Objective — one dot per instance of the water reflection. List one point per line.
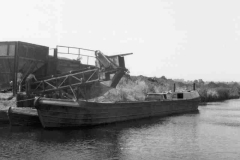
(98, 142)
(201, 135)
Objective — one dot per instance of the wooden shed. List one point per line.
(16, 56)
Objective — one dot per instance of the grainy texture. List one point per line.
(62, 113)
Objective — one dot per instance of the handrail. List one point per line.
(76, 48)
(77, 54)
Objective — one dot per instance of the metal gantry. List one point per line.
(68, 81)
(72, 84)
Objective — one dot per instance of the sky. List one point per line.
(184, 39)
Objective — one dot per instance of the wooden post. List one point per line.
(46, 64)
(174, 87)
(15, 69)
(28, 86)
(194, 86)
(55, 60)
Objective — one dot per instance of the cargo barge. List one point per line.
(59, 113)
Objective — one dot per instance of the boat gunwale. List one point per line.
(77, 103)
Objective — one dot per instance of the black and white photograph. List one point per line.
(119, 80)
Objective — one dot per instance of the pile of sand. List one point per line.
(6, 96)
(123, 93)
(7, 100)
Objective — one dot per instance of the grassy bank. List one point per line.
(135, 88)
(219, 93)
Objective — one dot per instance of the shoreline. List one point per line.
(7, 100)
(220, 100)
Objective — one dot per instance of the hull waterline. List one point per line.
(54, 113)
(23, 117)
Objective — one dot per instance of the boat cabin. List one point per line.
(185, 95)
(156, 96)
(171, 96)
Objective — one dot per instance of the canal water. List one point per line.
(211, 134)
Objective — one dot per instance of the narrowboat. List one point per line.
(60, 113)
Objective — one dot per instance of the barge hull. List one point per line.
(3, 116)
(76, 114)
(23, 117)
